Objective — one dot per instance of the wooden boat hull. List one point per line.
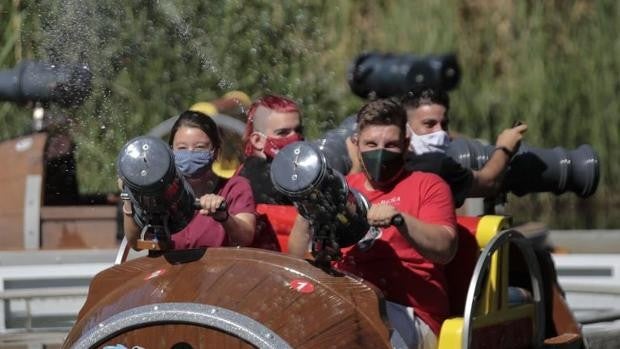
(229, 298)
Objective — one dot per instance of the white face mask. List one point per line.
(436, 142)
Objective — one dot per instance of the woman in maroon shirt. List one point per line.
(196, 143)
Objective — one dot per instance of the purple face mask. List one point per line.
(192, 163)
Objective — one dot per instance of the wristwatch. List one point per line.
(221, 220)
(506, 151)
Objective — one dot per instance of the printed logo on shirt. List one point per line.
(369, 239)
(394, 201)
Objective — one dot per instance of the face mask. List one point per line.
(436, 142)
(192, 163)
(273, 145)
(382, 166)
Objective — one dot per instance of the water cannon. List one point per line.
(337, 213)
(163, 201)
(531, 169)
(382, 75)
(333, 145)
(64, 84)
(535, 170)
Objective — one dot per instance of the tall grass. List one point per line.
(552, 64)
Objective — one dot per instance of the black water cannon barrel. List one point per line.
(535, 170)
(392, 75)
(333, 145)
(321, 194)
(159, 193)
(66, 85)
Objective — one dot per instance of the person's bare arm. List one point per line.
(435, 242)
(239, 227)
(299, 239)
(488, 180)
(130, 228)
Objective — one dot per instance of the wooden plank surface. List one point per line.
(22, 156)
(334, 311)
(78, 212)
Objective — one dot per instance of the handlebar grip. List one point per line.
(398, 220)
(223, 206)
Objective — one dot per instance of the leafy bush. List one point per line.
(551, 64)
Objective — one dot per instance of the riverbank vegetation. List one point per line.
(552, 64)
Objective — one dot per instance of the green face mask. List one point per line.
(382, 165)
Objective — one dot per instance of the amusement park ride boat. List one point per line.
(243, 297)
(502, 293)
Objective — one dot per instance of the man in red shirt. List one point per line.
(404, 261)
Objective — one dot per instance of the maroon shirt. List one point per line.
(204, 231)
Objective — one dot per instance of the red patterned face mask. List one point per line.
(273, 145)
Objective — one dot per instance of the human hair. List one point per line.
(382, 112)
(276, 103)
(426, 96)
(196, 119)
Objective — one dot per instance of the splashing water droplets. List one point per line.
(195, 42)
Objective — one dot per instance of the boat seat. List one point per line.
(460, 269)
(273, 226)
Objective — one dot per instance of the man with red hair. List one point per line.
(273, 123)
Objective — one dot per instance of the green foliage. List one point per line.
(552, 64)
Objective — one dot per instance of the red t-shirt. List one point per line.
(385, 258)
(204, 231)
